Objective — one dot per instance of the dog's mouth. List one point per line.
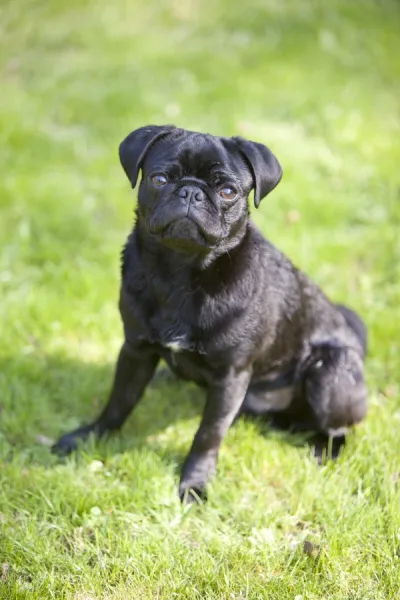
(184, 235)
(185, 228)
(182, 228)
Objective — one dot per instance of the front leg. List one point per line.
(135, 367)
(224, 398)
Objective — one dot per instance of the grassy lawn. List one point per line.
(319, 82)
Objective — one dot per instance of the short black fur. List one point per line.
(204, 290)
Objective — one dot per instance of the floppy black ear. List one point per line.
(135, 146)
(266, 170)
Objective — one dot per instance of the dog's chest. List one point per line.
(173, 328)
(175, 321)
(190, 323)
(183, 342)
(188, 364)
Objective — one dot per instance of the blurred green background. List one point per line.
(319, 83)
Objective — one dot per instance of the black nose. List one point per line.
(191, 192)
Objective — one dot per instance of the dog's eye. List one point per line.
(227, 193)
(159, 180)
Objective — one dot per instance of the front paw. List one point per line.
(65, 445)
(192, 494)
(197, 471)
(69, 442)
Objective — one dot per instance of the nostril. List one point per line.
(192, 193)
(199, 196)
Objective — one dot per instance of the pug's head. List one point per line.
(193, 196)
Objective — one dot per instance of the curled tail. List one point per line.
(356, 324)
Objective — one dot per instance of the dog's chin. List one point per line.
(185, 237)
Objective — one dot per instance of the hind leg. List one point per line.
(334, 388)
(330, 397)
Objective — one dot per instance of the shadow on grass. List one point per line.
(44, 396)
(323, 447)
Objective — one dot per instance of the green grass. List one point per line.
(319, 82)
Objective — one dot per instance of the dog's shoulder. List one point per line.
(276, 272)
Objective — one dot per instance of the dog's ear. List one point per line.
(135, 146)
(266, 170)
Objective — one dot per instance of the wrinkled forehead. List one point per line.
(198, 155)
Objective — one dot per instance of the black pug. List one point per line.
(205, 291)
